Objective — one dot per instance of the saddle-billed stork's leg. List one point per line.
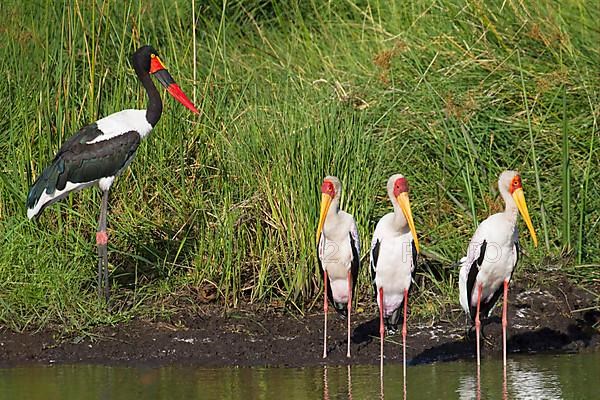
(101, 243)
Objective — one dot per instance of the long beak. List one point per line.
(325, 203)
(163, 76)
(519, 198)
(405, 207)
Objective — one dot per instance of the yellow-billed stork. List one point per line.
(338, 248)
(103, 149)
(492, 255)
(394, 252)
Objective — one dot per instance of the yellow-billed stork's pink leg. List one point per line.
(325, 309)
(349, 309)
(404, 338)
(381, 330)
(504, 321)
(477, 322)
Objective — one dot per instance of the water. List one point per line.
(528, 377)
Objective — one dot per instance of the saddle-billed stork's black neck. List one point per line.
(145, 62)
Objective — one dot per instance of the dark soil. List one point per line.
(540, 320)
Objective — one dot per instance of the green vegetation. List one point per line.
(449, 93)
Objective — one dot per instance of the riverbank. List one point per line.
(553, 318)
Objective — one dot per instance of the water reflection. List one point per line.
(478, 379)
(530, 383)
(349, 383)
(527, 382)
(381, 395)
(504, 387)
(467, 387)
(381, 384)
(326, 383)
(538, 377)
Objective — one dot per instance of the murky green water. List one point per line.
(539, 377)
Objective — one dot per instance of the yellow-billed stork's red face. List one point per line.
(160, 72)
(401, 195)
(515, 184)
(328, 193)
(328, 188)
(516, 190)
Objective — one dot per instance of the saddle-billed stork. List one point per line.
(394, 251)
(338, 254)
(492, 255)
(103, 149)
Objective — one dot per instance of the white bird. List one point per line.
(492, 256)
(338, 254)
(394, 252)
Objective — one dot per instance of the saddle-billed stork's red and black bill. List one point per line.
(100, 151)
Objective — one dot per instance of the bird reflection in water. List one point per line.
(470, 387)
(478, 382)
(326, 384)
(381, 395)
(349, 383)
(527, 382)
(504, 387)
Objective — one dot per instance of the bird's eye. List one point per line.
(152, 55)
(516, 183)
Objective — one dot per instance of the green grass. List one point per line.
(449, 93)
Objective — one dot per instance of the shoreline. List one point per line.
(540, 321)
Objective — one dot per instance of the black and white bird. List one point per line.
(492, 255)
(394, 250)
(100, 151)
(338, 254)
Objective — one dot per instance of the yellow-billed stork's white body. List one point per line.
(492, 256)
(338, 254)
(394, 250)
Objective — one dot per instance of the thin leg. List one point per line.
(349, 309)
(404, 339)
(101, 240)
(477, 326)
(325, 309)
(381, 331)
(504, 321)
(101, 243)
(478, 323)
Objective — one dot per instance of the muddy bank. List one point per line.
(541, 320)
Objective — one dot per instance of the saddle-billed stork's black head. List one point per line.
(146, 61)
